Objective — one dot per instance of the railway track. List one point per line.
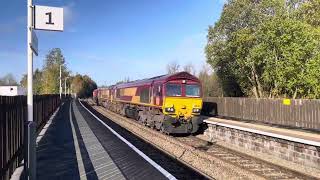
(212, 160)
(174, 167)
(254, 165)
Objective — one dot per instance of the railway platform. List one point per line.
(291, 148)
(78, 146)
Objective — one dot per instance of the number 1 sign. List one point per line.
(48, 18)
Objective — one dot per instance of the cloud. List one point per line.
(69, 12)
(69, 17)
(11, 26)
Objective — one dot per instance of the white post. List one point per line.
(60, 90)
(71, 90)
(30, 63)
(31, 126)
(65, 86)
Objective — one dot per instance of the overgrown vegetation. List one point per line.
(267, 48)
(8, 80)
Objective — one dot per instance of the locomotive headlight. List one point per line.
(196, 110)
(169, 109)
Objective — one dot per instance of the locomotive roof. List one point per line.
(162, 78)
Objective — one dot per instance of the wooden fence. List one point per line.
(13, 116)
(299, 113)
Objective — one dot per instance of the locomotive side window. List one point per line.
(173, 90)
(157, 90)
(118, 93)
(145, 95)
(192, 90)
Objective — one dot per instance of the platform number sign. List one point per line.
(48, 18)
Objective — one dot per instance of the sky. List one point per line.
(110, 40)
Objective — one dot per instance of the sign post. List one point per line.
(40, 18)
(30, 163)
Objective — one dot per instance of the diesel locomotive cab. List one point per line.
(182, 106)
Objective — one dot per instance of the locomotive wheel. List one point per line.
(163, 131)
(162, 128)
(136, 115)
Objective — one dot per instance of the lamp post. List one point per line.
(60, 89)
(65, 86)
(71, 90)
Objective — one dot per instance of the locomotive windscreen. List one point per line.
(173, 90)
(192, 90)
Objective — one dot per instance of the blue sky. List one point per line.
(112, 39)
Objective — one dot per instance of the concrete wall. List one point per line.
(297, 153)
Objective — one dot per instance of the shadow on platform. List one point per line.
(56, 153)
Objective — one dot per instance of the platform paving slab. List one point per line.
(76, 146)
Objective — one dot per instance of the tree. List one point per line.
(308, 11)
(51, 71)
(37, 81)
(126, 79)
(189, 68)
(292, 47)
(173, 67)
(211, 86)
(8, 80)
(83, 85)
(47, 80)
(267, 48)
(77, 85)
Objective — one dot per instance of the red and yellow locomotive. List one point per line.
(170, 103)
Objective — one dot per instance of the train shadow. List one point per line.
(200, 131)
(206, 146)
(209, 109)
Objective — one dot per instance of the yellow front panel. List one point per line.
(183, 106)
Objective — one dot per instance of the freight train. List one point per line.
(170, 103)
